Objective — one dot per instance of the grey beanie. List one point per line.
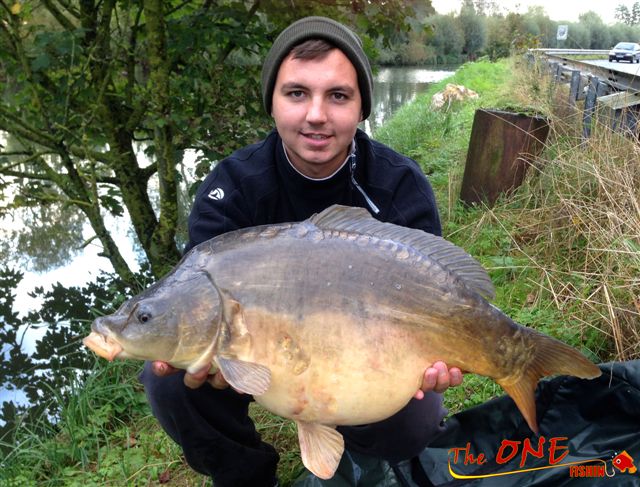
(318, 28)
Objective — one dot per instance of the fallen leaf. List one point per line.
(165, 477)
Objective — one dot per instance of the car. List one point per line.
(625, 51)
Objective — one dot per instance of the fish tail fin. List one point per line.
(550, 357)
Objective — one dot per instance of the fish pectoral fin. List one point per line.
(247, 377)
(321, 448)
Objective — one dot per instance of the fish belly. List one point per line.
(325, 370)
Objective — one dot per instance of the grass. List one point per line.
(563, 252)
(105, 436)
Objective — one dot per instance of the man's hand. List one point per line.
(438, 378)
(191, 380)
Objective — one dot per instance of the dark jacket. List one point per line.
(257, 185)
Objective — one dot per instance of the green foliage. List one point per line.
(475, 30)
(88, 421)
(535, 285)
(448, 39)
(104, 434)
(626, 16)
(95, 429)
(599, 33)
(48, 374)
(103, 101)
(623, 32)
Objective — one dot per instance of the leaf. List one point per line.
(41, 62)
(112, 204)
(362, 22)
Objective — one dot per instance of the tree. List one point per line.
(503, 33)
(44, 375)
(448, 38)
(93, 88)
(623, 32)
(623, 15)
(92, 81)
(600, 38)
(474, 27)
(579, 36)
(635, 14)
(626, 16)
(538, 23)
(485, 8)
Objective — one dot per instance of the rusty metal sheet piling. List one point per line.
(502, 147)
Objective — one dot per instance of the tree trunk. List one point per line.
(162, 250)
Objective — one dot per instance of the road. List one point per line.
(624, 67)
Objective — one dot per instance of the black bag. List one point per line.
(597, 420)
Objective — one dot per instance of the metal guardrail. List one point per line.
(616, 91)
(560, 51)
(618, 80)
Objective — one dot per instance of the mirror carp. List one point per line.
(332, 321)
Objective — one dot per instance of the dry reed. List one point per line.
(577, 218)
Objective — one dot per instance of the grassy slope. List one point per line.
(564, 250)
(536, 246)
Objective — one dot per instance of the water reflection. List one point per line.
(410, 75)
(395, 86)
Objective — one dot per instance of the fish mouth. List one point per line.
(103, 346)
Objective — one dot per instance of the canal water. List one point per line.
(396, 86)
(393, 87)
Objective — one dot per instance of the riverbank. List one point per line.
(564, 250)
(563, 253)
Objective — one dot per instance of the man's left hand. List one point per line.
(438, 378)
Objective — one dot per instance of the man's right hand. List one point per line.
(191, 380)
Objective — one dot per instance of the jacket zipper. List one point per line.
(352, 168)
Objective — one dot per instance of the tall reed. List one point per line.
(577, 218)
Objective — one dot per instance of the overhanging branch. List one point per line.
(59, 16)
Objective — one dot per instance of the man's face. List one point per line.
(317, 108)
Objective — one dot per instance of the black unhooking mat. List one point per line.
(594, 425)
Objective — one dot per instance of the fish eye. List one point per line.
(144, 317)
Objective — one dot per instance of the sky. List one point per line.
(558, 10)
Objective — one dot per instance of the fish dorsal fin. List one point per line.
(321, 448)
(247, 377)
(448, 255)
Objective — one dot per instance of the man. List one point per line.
(317, 85)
